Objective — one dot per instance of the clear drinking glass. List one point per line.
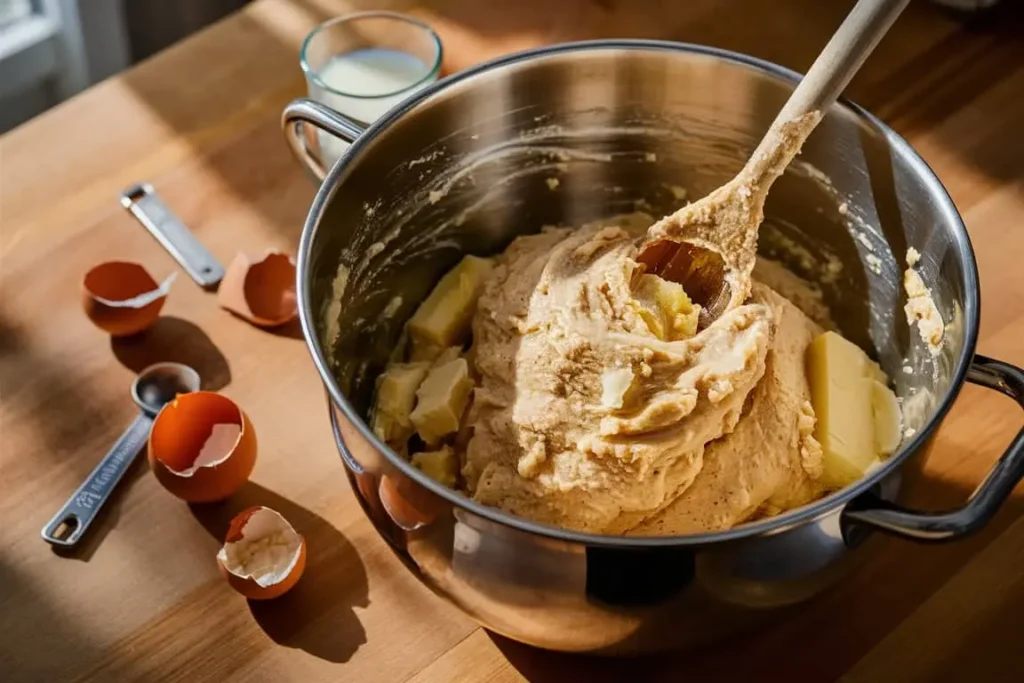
(364, 63)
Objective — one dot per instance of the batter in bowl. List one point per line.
(586, 397)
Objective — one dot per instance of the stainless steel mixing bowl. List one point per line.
(470, 163)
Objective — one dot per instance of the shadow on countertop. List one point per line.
(317, 614)
(175, 340)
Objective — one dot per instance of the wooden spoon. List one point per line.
(710, 246)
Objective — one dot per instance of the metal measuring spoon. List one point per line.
(155, 386)
(144, 203)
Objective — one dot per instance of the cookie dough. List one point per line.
(557, 323)
(597, 405)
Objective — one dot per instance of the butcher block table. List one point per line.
(143, 600)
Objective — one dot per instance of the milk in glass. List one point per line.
(365, 83)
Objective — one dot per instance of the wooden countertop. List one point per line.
(145, 602)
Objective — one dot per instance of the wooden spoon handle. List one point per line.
(851, 44)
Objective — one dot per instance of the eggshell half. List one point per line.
(122, 298)
(263, 556)
(262, 292)
(202, 447)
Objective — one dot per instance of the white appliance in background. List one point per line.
(51, 49)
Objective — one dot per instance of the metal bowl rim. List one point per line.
(819, 508)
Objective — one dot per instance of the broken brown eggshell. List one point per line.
(263, 291)
(122, 298)
(263, 556)
(202, 447)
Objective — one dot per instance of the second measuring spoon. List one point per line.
(153, 388)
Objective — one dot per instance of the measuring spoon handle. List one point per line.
(77, 514)
(147, 206)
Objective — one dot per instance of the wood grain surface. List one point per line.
(144, 600)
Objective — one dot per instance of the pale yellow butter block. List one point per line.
(875, 372)
(396, 393)
(443, 319)
(433, 354)
(841, 395)
(447, 356)
(885, 411)
(666, 308)
(615, 383)
(388, 430)
(441, 400)
(423, 351)
(441, 465)
(396, 396)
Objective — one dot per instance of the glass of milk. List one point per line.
(363, 64)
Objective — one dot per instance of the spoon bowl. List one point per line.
(701, 272)
(158, 384)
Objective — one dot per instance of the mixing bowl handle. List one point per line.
(302, 111)
(870, 511)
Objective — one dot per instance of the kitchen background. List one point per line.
(51, 49)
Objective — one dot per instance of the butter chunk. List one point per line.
(615, 382)
(875, 372)
(422, 351)
(841, 394)
(396, 396)
(441, 400)
(441, 465)
(666, 308)
(447, 356)
(432, 353)
(885, 412)
(443, 319)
